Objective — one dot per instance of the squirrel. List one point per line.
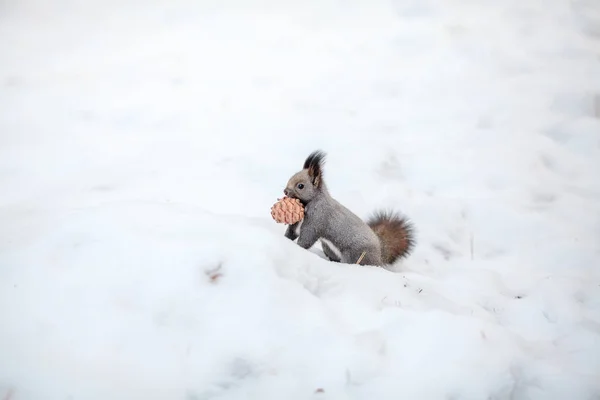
(383, 239)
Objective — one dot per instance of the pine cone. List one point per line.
(287, 211)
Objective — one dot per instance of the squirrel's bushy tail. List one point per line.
(396, 234)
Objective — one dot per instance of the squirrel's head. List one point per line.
(307, 183)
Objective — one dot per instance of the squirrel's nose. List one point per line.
(285, 191)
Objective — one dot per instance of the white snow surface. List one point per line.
(142, 144)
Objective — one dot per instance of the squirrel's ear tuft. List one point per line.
(314, 164)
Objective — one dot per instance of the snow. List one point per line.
(142, 145)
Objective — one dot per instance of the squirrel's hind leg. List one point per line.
(371, 257)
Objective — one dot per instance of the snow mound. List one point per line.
(156, 301)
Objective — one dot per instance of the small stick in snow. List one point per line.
(214, 274)
(361, 257)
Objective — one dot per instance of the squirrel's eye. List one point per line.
(301, 186)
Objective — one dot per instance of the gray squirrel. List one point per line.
(383, 239)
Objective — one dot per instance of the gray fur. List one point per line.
(326, 218)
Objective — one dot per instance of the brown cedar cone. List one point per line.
(287, 211)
